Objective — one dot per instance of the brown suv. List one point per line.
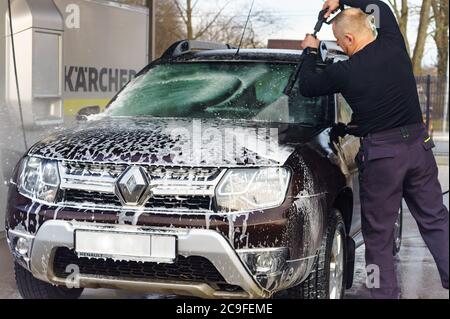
(204, 176)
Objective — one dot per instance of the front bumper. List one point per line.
(55, 234)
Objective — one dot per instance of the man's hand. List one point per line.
(332, 6)
(338, 130)
(310, 42)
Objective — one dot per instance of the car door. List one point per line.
(348, 149)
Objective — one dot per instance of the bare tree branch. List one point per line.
(185, 19)
(181, 10)
(195, 4)
(402, 15)
(394, 6)
(419, 48)
(441, 34)
(202, 32)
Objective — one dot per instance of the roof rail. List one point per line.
(186, 46)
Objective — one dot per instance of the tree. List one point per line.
(186, 13)
(422, 35)
(221, 25)
(440, 34)
(403, 13)
(184, 19)
(230, 28)
(441, 37)
(169, 28)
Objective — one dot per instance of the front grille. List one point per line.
(193, 269)
(92, 198)
(91, 169)
(183, 174)
(158, 202)
(180, 202)
(172, 188)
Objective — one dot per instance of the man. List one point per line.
(396, 158)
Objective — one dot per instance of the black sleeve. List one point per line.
(333, 79)
(387, 23)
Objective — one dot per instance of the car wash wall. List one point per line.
(70, 55)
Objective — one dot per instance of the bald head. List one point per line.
(353, 21)
(353, 30)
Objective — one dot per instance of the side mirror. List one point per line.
(83, 114)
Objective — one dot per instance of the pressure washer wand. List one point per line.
(320, 21)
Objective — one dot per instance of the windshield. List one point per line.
(225, 90)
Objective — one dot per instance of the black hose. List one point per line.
(15, 73)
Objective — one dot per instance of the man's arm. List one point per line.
(332, 80)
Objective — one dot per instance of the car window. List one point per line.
(229, 90)
(307, 110)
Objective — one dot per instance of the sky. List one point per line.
(298, 17)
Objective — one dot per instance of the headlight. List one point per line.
(252, 189)
(267, 261)
(272, 268)
(39, 178)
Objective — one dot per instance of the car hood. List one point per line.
(180, 142)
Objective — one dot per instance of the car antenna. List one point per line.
(245, 29)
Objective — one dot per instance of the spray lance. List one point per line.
(321, 20)
(340, 129)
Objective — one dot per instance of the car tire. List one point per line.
(327, 281)
(32, 288)
(398, 230)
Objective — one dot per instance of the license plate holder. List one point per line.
(141, 247)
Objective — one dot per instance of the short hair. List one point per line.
(354, 21)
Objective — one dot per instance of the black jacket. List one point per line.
(377, 82)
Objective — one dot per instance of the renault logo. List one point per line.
(132, 187)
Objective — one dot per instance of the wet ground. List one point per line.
(417, 272)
